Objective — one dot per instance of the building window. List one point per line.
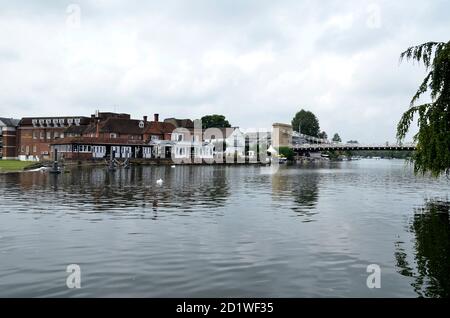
(34, 148)
(35, 135)
(153, 137)
(56, 135)
(49, 135)
(27, 150)
(112, 135)
(41, 135)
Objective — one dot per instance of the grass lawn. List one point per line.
(13, 165)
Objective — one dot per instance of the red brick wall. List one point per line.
(9, 143)
(31, 143)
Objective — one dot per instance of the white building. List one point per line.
(233, 138)
(187, 146)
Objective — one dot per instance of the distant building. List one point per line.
(35, 134)
(8, 138)
(232, 138)
(120, 136)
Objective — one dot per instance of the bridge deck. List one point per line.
(353, 147)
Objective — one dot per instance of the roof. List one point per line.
(28, 121)
(9, 122)
(159, 128)
(121, 126)
(76, 129)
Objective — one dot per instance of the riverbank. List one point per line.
(15, 165)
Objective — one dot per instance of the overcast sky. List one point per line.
(257, 62)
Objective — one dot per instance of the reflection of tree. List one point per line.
(302, 189)
(306, 191)
(431, 228)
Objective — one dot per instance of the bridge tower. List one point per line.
(281, 135)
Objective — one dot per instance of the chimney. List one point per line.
(156, 117)
(145, 119)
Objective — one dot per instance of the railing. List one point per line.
(338, 146)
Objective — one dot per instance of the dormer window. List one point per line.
(112, 135)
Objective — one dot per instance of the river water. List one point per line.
(219, 231)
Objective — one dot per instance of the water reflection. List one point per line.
(430, 269)
(298, 190)
(187, 188)
(223, 231)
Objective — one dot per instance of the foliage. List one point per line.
(286, 152)
(433, 139)
(307, 122)
(214, 121)
(336, 138)
(323, 135)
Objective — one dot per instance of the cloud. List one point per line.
(257, 62)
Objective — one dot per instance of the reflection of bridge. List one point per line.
(352, 147)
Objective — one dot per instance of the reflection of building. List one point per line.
(8, 138)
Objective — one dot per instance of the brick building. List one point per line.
(118, 134)
(8, 138)
(36, 133)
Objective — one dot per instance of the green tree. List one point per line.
(307, 122)
(214, 121)
(433, 138)
(323, 135)
(286, 152)
(336, 138)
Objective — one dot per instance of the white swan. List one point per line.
(159, 182)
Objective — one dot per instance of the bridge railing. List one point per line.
(355, 146)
